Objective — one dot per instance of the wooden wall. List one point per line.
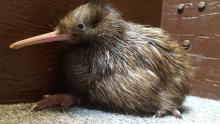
(201, 28)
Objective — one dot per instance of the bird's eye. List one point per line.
(80, 26)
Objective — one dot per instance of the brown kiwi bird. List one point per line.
(123, 66)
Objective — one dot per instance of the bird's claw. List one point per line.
(160, 114)
(176, 113)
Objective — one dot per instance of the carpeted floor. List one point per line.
(198, 111)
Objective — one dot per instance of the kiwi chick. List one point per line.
(123, 66)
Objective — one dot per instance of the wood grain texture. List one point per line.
(202, 29)
(29, 73)
(140, 11)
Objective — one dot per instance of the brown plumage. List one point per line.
(124, 66)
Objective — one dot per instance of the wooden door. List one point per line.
(196, 23)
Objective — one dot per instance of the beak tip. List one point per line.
(12, 46)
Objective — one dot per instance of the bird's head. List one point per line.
(93, 20)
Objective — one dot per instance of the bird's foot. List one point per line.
(64, 100)
(161, 113)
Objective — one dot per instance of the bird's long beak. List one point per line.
(44, 38)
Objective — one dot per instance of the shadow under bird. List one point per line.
(123, 66)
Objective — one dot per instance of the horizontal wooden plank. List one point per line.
(206, 80)
(192, 21)
(202, 45)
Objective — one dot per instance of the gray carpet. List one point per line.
(198, 111)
